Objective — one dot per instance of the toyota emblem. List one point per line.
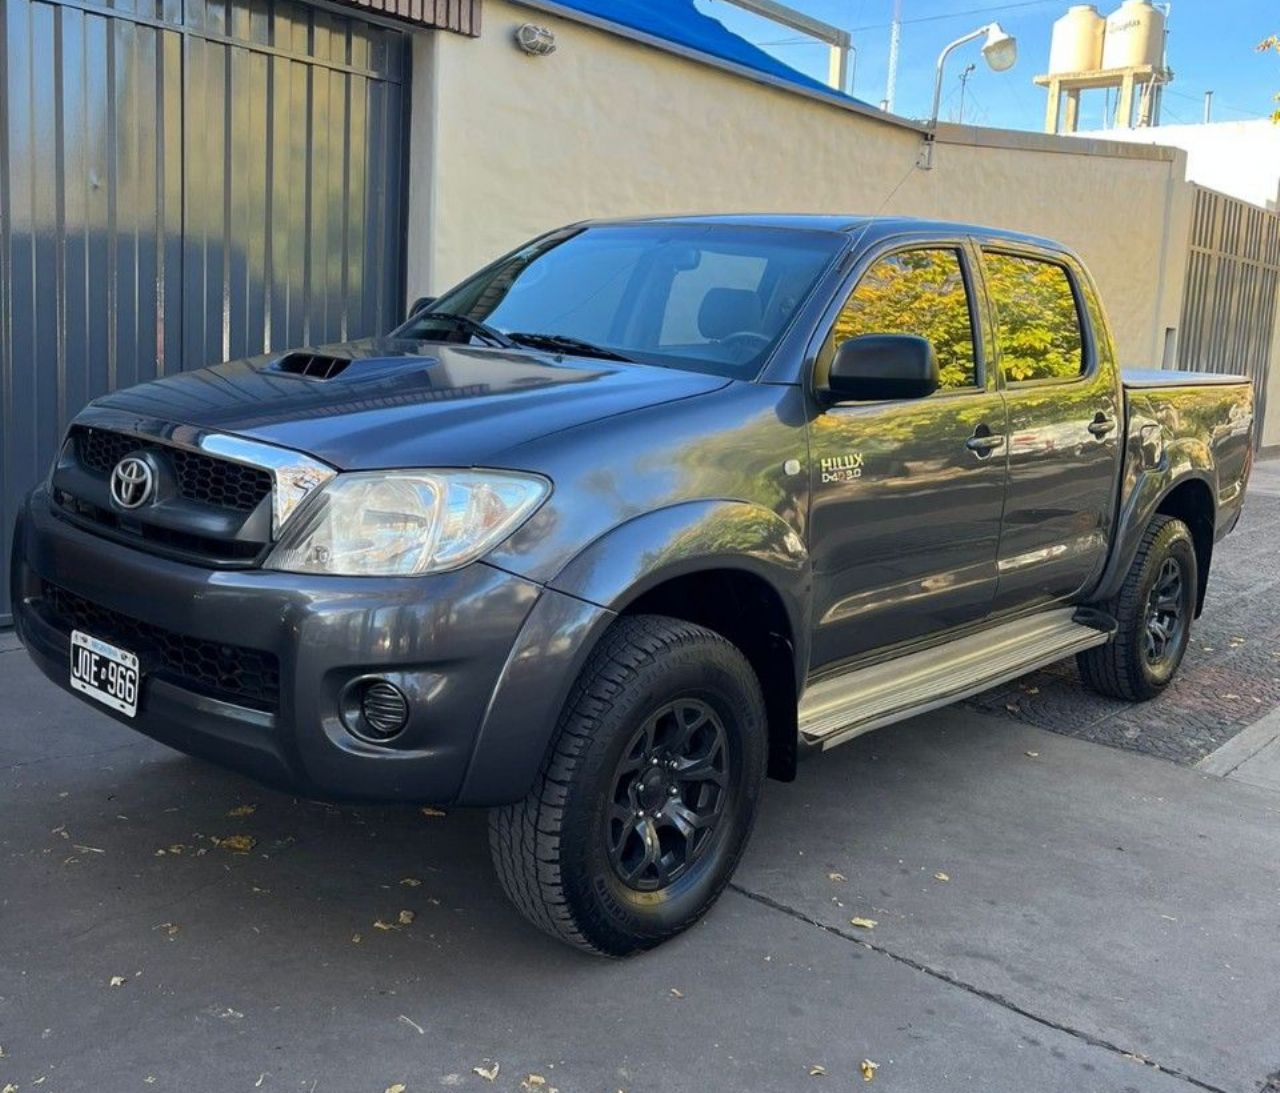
(132, 482)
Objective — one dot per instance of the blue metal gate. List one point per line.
(183, 182)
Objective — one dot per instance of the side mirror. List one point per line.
(872, 367)
(420, 304)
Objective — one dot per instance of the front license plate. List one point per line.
(104, 672)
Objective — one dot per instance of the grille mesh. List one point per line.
(200, 477)
(249, 677)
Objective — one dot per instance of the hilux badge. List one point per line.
(132, 482)
(842, 468)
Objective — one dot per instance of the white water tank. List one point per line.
(1134, 36)
(1077, 41)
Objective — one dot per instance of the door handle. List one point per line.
(983, 442)
(1101, 425)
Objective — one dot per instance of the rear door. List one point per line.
(1060, 386)
(907, 495)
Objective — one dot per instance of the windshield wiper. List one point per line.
(568, 344)
(475, 326)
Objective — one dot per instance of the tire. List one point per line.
(561, 852)
(1130, 666)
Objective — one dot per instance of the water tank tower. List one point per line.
(1126, 50)
(1077, 41)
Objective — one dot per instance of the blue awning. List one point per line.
(679, 22)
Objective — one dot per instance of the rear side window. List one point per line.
(917, 292)
(1037, 318)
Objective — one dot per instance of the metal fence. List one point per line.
(1232, 292)
(183, 182)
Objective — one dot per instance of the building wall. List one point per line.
(1239, 158)
(606, 126)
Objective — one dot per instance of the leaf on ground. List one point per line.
(411, 882)
(676, 993)
(864, 923)
(170, 928)
(868, 1069)
(399, 1087)
(489, 1074)
(237, 844)
(405, 918)
(243, 810)
(839, 878)
(817, 1071)
(1032, 754)
(533, 1081)
(117, 981)
(432, 813)
(941, 876)
(356, 939)
(378, 924)
(9, 1088)
(1012, 707)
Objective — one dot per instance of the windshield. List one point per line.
(708, 298)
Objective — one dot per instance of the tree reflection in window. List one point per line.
(1037, 321)
(917, 292)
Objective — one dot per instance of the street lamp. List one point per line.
(1001, 52)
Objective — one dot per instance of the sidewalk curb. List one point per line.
(1242, 747)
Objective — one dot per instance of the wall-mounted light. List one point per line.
(535, 40)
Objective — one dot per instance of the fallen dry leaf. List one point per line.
(533, 1081)
(261, 1078)
(868, 1069)
(243, 810)
(1012, 707)
(356, 939)
(941, 877)
(489, 1074)
(817, 1071)
(837, 877)
(405, 918)
(1032, 754)
(117, 981)
(237, 844)
(432, 813)
(170, 928)
(399, 1087)
(9, 1088)
(411, 882)
(378, 924)
(864, 923)
(676, 993)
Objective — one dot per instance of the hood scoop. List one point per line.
(316, 366)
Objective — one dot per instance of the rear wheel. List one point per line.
(1154, 609)
(642, 808)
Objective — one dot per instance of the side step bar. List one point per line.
(839, 708)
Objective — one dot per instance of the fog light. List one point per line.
(384, 709)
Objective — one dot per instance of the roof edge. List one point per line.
(841, 102)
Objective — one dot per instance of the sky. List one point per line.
(1211, 47)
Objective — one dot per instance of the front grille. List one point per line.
(200, 477)
(248, 677)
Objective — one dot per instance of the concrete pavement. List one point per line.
(1109, 923)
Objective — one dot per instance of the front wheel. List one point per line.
(642, 808)
(1154, 609)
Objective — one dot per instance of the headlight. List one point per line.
(405, 523)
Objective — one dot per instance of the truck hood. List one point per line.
(407, 404)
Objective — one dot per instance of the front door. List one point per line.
(907, 495)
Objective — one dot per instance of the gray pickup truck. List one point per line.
(635, 516)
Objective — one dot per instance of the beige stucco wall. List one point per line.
(505, 146)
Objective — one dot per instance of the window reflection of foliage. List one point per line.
(1037, 325)
(918, 292)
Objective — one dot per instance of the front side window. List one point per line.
(703, 297)
(1037, 320)
(919, 292)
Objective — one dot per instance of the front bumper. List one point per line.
(452, 642)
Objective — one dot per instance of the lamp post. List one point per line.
(1001, 52)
